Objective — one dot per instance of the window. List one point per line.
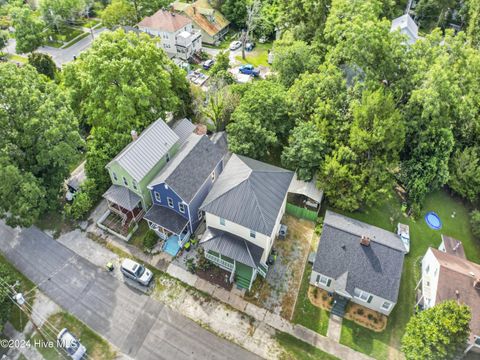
(200, 214)
(386, 306)
(157, 196)
(362, 295)
(222, 221)
(114, 176)
(167, 157)
(181, 208)
(134, 184)
(170, 202)
(213, 175)
(427, 269)
(125, 181)
(253, 234)
(323, 280)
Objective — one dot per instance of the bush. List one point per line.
(360, 312)
(150, 240)
(475, 223)
(80, 207)
(202, 262)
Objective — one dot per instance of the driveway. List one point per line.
(139, 326)
(62, 56)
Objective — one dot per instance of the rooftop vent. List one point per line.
(134, 135)
(365, 240)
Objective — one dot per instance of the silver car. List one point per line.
(234, 45)
(72, 346)
(136, 272)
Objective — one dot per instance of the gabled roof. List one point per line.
(407, 26)
(200, 11)
(453, 246)
(376, 268)
(164, 20)
(183, 128)
(141, 155)
(191, 166)
(249, 193)
(457, 274)
(232, 246)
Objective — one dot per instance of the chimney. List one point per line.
(194, 9)
(365, 240)
(134, 135)
(476, 284)
(200, 129)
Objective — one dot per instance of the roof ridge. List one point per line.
(257, 202)
(226, 192)
(249, 253)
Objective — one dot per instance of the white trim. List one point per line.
(222, 221)
(157, 198)
(181, 207)
(125, 181)
(200, 214)
(361, 293)
(170, 202)
(388, 307)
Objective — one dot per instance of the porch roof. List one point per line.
(122, 196)
(306, 188)
(232, 246)
(166, 218)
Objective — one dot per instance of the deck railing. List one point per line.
(220, 262)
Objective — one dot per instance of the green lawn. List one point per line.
(257, 57)
(137, 237)
(83, 36)
(305, 312)
(386, 215)
(97, 347)
(65, 34)
(298, 350)
(17, 58)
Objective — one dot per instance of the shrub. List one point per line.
(475, 223)
(80, 207)
(150, 240)
(360, 312)
(202, 262)
(370, 317)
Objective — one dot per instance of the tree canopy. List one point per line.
(28, 29)
(43, 63)
(440, 332)
(119, 13)
(39, 141)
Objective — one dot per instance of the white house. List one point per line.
(243, 212)
(175, 33)
(448, 275)
(407, 26)
(358, 262)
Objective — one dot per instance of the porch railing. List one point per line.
(220, 262)
(262, 270)
(183, 240)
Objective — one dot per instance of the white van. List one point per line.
(137, 272)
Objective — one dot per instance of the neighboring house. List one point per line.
(243, 212)
(407, 26)
(175, 33)
(131, 171)
(448, 275)
(358, 262)
(211, 22)
(180, 188)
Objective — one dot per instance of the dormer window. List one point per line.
(125, 182)
(114, 176)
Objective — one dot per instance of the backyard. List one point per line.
(258, 56)
(386, 344)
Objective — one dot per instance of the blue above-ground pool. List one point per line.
(171, 245)
(433, 220)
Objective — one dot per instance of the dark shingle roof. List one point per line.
(376, 269)
(191, 166)
(232, 246)
(166, 218)
(249, 193)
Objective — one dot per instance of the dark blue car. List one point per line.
(249, 70)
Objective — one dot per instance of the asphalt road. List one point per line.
(139, 326)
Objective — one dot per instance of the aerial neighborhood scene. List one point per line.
(240, 179)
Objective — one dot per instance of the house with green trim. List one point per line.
(133, 169)
(243, 211)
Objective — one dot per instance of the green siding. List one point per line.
(142, 189)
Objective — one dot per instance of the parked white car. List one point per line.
(72, 346)
(136, 272)
(234, 45)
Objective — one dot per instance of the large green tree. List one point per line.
(43, 63)
(119, 13)
(438, 333)
(58, 12)
(3, 39)
(29, 29)
(473, 29)
(235, 11)
(263, 111)
(6, 304)
(39, 141)
(465, 173)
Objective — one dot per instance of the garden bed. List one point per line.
(216, 276)
(320, 298)
(368, 318)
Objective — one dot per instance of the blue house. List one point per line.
(180, 188)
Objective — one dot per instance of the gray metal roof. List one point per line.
(122, 196)
(141, 155)
(232, 246)
(183, 128)
(166, 218)
(307, 188)
(407, 26)
(249, 193)
(376, 269)
(190, 167)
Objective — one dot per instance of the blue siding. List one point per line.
(201, 195)
(168, 193)
(194, 205)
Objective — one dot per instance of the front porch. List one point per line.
(169, 226)
(125, 209)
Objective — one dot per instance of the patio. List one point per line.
(278, 291)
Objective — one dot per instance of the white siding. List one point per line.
(430, 274)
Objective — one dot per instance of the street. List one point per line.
(139, 326)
